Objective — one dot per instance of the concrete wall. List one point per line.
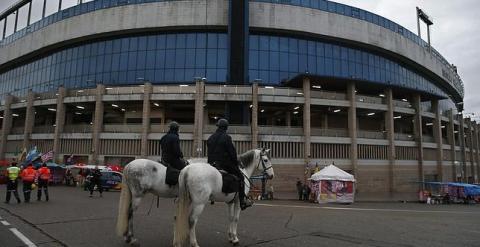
(312, 21)
(213, 13)
(171, 14)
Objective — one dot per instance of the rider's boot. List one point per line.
(244, 201)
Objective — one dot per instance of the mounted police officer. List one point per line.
(12, 183)
(223, 156)
(170, 143)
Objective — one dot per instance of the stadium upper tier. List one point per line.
(319, 37)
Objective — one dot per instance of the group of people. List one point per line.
(29, 176)
(221, 154)
(303, 191)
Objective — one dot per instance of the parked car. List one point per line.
(110, 180)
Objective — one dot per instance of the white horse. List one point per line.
(139, 177)
(200, 183)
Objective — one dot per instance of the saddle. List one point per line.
(171, 177)
(230, 182)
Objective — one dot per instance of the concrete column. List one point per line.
(147, 91)
(478, 152)
(97, 123)
(198, 125)
(463, 151)
(471, 148)
(419, 138)
(437, 134)
(6, 125)
(451, 140)
(477, 157)
(59, 123)
(389, 126)
(29, 119)
(306, 120)
(352, 126)
(255, 115)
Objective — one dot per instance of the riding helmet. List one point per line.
(222, 123)
(174, 126)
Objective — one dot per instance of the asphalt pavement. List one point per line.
(71, 218)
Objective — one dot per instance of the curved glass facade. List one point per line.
(323, 5)
(274, 59)
(178, 58)
(163, 58)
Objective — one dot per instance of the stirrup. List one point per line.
(246, 204)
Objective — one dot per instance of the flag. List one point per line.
(32, 155)
(22, 155)
(47, 156)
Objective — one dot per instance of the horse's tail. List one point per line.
(123, 208)
(182, 229)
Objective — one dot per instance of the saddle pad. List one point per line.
(230, 183)
(171, 178)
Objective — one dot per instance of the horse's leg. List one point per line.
(234, 223)
(231, 218)
(196, 211)
(135, 203)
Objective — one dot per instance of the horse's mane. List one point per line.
(247, 158)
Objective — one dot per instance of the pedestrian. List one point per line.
(299, 189)
(12, 184)
(28, 177)
(95, 179)
(43, 178)
(306, 192)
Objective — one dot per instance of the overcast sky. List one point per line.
(455, 33)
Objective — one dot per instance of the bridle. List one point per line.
(262, 161)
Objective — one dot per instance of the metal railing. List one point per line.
(404, 137)
(403, 104)
(320, 94)
(122, 128)
(329, 132)
(78, 128)
(124, 90)
(224, 89)
(279, 91)
(371, 134)
(369, 99)
(17, 130)
(43, 129)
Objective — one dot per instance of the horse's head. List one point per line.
(266, 165)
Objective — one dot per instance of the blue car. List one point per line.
(111, 180)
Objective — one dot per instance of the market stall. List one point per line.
(332, 184)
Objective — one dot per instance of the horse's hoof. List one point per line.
(235, 242)
(134, 242)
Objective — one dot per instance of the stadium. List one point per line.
(316, 81)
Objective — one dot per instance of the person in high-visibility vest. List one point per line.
(28, 177)
(43, 178)
(12, 183)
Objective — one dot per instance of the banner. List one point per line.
(336, 191)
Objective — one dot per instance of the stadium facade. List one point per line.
(316, 81)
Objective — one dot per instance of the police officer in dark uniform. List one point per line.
(171, 153)
(96, 179)
(223, 156)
